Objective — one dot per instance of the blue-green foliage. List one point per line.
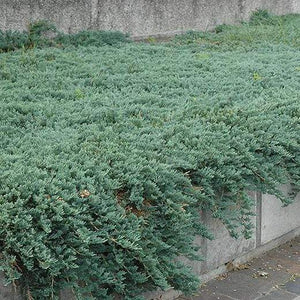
(262, 30)
(263, 16)
(42, 33)
(108, 154)
(12, 40)
(35, 36)
(92, 38)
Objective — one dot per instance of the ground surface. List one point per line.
(273, 276)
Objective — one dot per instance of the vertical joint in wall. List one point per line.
(94, 14)
(241, 12)
(258, 217)
(204, 253)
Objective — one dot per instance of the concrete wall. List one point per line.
(140, 18)
(274, 225)
(277, 220)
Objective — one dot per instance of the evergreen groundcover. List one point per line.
(109, 150)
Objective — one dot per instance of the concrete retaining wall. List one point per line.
(274, 225)
(140, 18)
(272, 221)
(277, 220)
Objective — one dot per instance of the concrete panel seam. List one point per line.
(258, 217)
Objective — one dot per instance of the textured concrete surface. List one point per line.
(223, 248)
(68, 15)
(8, 292)
(140, 18)
(272, 276)
(277, 220)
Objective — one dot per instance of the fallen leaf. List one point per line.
(84, 194)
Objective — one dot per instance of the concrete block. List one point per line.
(277, 220)
(225, 248)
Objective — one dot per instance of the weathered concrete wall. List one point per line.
(223, 248)
(272, 222)
(277, 220)
(274, 225)
(68, 15)
(140, 18)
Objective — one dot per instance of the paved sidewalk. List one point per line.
(273, 276)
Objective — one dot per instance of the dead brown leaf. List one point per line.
(84, 194)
